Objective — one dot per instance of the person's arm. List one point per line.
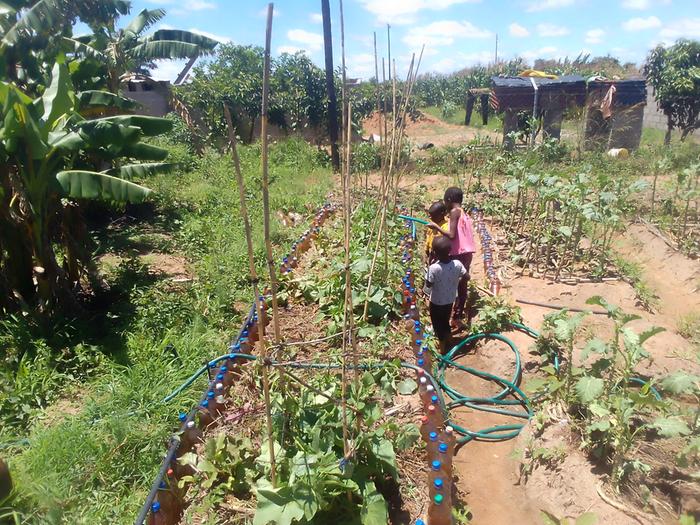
(451, 232)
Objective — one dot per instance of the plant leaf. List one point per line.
(407, 386)
(374, 508)
(680, 383)
(141, 170)
(588, 518)
(548, 518)
(589, 388)
(92, 185)
(58, 98)
(671, 427)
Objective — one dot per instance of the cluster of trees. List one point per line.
(66, 135)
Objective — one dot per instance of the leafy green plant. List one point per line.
(495, 314)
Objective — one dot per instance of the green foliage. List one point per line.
(602, 393)
(496, 314)
(366, 157)
(674, 73)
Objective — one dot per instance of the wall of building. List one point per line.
(153, 103)
(653, 116)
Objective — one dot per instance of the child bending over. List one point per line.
(441, 284)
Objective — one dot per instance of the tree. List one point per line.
(47, 156)
(129, 50)
(674, 74)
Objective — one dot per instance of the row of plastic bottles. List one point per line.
(291, 260)
(168, 505)
(486, 248)
(439, 438)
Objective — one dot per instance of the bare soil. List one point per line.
(428, 129)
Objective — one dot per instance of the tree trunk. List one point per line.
(669, 128)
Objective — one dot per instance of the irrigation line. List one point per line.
(175, 442)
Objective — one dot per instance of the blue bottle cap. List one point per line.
(244, 333)
(162, 485)
(204, 403)
(219, 377)
(420, 522)
(212, 365)
(223, 369)
(436, 465)
(433, 436)
(420, 362)
(420, 353)
(443, 447)
(232, 355)
(438, 483)
(434, 399)
(210, 395)
(438, 499)
(417, 329)
(416, 322)
(182, 416)
(155, 507)
(419, 342)
(425, 348)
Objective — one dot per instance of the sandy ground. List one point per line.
(428, 129)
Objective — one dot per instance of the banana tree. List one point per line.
(129, 50)
(48, 153)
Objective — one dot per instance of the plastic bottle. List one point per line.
(423, 391)
(215, 408)
(435, 417)
(157, 516)
(432, 445)
(170, 503)
(446, 450)
(205, 417)
(433, 475)
(440, 510)
(190, 437)
(425, 428)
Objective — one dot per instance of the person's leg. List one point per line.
(440, 318)
(463, 288)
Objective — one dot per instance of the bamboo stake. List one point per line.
(347, 129)
(262, 350)
(265, 177)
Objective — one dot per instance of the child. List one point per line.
(461, 234)
(441, 284)
(436, 212)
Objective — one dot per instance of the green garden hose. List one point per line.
(497, 404)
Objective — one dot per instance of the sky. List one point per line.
(456, 33)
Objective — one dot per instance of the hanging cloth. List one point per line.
(606, 104)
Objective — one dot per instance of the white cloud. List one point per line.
(518, 31)
(291, 50)
(544, 52)
(316, 18)
(311, 41)
(168, 69)
(361, 65)
(444, 65)
(220, 38)
(442, 33)
(594, 36)
(276, 13)
(182, 8)
(403, 11)
(684, 28)
(639, 5)
(552, 30)
(640, 24)
(543, 5)
(642, 5)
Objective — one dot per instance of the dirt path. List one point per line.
(428, 129)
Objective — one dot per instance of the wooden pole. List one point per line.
(388, 45)
(262, 349)
(330, 85)
(265, 178)
(376, 90)
(347, 205)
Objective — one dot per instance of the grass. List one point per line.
(457, 118)
(92, 459)
(634, 273)
(689, 327)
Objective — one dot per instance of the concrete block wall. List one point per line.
(653, 116)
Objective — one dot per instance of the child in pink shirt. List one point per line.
(461, 234)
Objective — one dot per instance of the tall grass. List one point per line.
(97, 437)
